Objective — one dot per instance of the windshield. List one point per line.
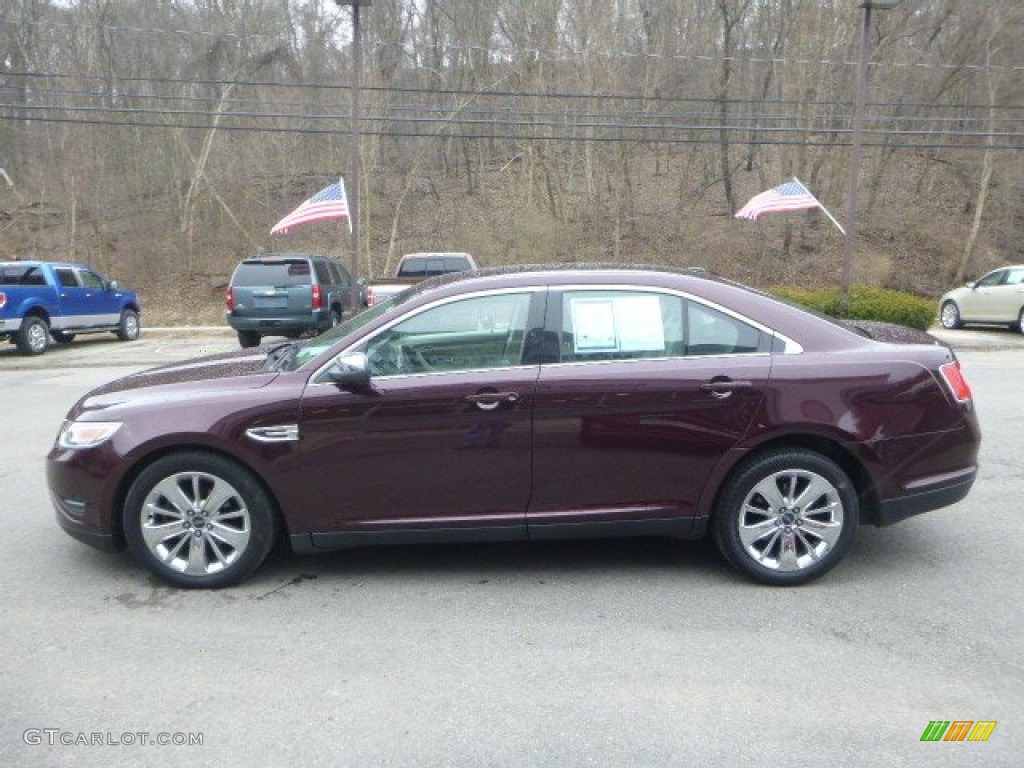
(316, 346)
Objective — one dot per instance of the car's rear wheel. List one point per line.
(34, 336)
(62, 337)
(786, 517)
(128, 327)
(949, 316)
(247, 339)
(1020, 321)
(199, 520)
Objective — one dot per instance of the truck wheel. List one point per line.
(247, 339)
(128, 328)
(34, 336)
(62, 337)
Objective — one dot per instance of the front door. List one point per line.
(442, 438)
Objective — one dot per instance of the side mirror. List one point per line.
(970, 284)
(351, 371)
(112, 285)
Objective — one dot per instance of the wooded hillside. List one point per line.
(161, 141)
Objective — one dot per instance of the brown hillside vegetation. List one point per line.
(907, 241)
(160, 142)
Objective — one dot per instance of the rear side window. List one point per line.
(67, 278)
(21, 276)
(283, 273)
(628, 325)
(323, 275)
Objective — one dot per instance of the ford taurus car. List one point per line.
(995, 298)
(525, 404)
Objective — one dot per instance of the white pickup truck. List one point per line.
(412, 268)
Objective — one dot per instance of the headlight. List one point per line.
(86, 434)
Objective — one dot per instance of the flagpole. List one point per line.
(826, 210)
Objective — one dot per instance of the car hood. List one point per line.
(186, 381)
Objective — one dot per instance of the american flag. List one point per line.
(329, 203)
(790, 196)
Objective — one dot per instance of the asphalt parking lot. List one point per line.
(611, 653)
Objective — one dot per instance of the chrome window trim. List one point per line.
(791, 347)
(317, 379)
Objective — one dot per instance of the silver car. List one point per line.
(996, 298)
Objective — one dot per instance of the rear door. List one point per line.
(651, 390)
(85, 301)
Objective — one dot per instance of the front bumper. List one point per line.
(81, 485)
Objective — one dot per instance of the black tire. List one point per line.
(62, 337)
(247, 339)
(949, 316)
(756, 513)
(34, 336)
(198, 547)
(1019, 327)
(129, 327)
(335, 319)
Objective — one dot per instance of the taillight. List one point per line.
(229, 298)
(370, 298)
(318, 299)
(956, 382)
(3, 299)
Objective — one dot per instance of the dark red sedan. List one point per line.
(525, 403)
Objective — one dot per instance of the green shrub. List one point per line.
(866, 303)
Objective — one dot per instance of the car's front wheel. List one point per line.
(1020, 321)
(197, 519)
(786, 517)
(949, 316)
(128, 328)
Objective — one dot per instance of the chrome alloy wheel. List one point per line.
(949, 316)
(790, 520)
(195, 523)
(36, 337)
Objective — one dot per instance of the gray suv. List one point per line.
(286, 294)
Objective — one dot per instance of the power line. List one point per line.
(747, 132)
(509, 52)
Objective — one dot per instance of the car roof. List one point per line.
(264, 257)
(789, 319)
(39, 263)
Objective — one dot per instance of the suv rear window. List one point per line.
(285, 272)
(430, 266)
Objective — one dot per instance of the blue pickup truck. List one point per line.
(41, 300)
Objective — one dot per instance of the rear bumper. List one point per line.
(948, 491)
(318, 320)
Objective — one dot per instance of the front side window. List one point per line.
(90, 279)
(991, 279)
(468, 334)
(628, 325)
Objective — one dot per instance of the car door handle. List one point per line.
(488, 401)
(724, 387)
